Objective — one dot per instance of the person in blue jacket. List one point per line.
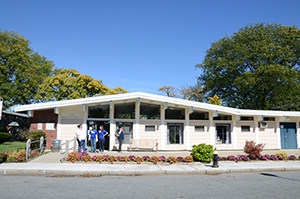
(120, 131)
(93, 134)
(101, 138)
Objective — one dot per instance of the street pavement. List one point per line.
(53, 164)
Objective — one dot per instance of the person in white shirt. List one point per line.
(81, 137)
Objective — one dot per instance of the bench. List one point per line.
(143, 145)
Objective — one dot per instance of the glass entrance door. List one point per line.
(175, 133)
(97, 125)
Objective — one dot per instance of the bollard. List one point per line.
(215, 159)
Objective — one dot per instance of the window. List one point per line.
(98, 111)
(175, 113)
(175, 134)
(197, 115)
(223, 117)
(124, 111)
(199, 128)
(149, 111)
(245, 128)
(223, 133)
(246, 118)
(269, 118)
(150, 128)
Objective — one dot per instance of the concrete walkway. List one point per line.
(50, 165)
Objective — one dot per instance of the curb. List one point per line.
(68, 173)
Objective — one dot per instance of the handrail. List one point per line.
(41, 148)
(67, 147)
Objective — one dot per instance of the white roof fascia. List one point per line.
(156, 98)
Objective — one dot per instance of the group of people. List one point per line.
(93, 134)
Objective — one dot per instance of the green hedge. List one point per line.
(4, 137)
(36, 135)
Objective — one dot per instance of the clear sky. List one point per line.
(139, 45)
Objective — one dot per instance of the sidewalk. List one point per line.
(50, 165)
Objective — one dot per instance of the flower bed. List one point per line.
(85, 157)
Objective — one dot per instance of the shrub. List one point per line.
(3, 157)
(282, 155)
(34, 136)
(202, 152)
(253, 150)
(4, 137)
(292, 157)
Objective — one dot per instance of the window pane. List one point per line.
(199, 128)
(98, 111)
(196, 115)
(149, 111)
(150, 128)
(175, 113)
(245, 128)
(223, 117)
(245, 118)
(125, 111)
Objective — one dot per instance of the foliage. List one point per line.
(255, 68)
(21, 69)
(20, 156)
(3, 157)
(34, 136)
(252, 149)
(70, 84)
(215, 100)
(282, 155)
(202, 152)
(4, 137)
(194, 93)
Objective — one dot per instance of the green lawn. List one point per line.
(12, 146)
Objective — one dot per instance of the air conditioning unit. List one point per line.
(263, 125)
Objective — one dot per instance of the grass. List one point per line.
(12, 146)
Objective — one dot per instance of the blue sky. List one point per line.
(140, 45)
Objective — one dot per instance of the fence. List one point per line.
(65, 148)
(41, 147)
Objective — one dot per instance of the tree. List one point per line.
(170, 91)
(70, 84)
(215, 100)
(21, 70)
(194, 93)
(255, 68)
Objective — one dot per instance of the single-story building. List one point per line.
(175, 124)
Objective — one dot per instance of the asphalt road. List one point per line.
(239, 185)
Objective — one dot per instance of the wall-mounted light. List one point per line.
(166, 105)
(83, 107)
(110, 104)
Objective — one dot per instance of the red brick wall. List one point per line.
(43, 117)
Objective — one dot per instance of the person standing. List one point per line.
(120, 131)
(93, 133)
(101, 138)
(81, 136)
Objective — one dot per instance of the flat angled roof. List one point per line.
(156, 98)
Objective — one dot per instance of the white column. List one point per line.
(212, 129)
(112, 127)
(234, 136)
(256, 128)
(163, 129)
(136, 135)
(187, 129)
(277, 131)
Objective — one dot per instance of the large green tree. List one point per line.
(255, 68)
(21, 69)
(70, 84)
